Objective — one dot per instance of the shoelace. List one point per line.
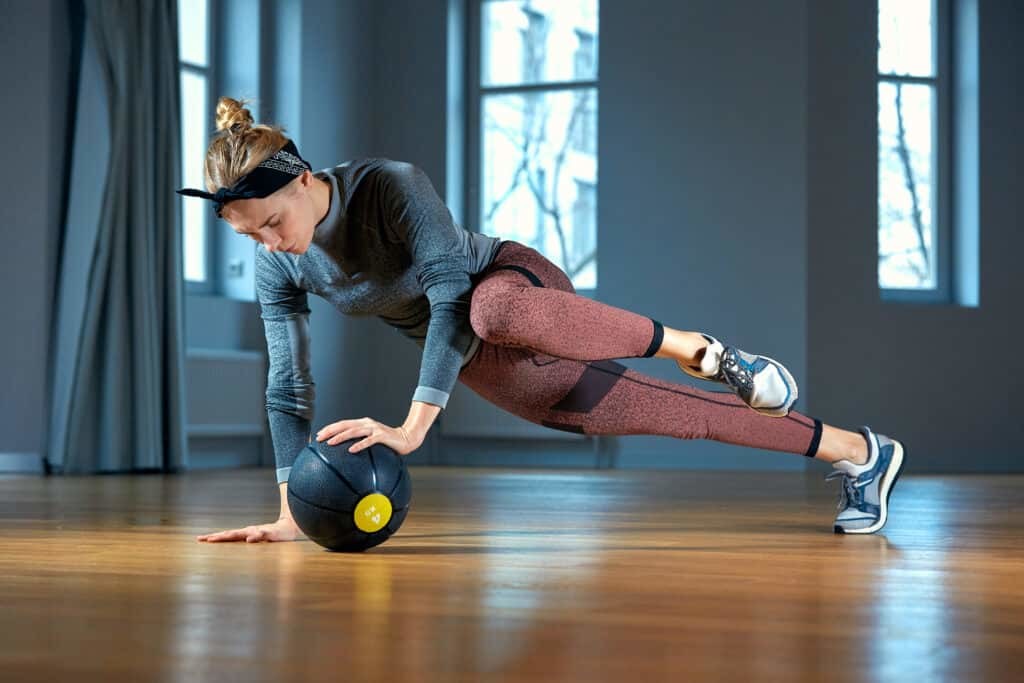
(732, 373)
(850, 493)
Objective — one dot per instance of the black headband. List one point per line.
(267, 178)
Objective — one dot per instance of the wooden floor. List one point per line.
(515, 575)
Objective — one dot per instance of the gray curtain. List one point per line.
(117, 366)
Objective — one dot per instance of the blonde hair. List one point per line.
(241, 146)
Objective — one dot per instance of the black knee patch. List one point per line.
(592, 386)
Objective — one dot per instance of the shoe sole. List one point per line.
(784, 410)
(770, 412)
(887, 486)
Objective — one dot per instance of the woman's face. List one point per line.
(282, 221)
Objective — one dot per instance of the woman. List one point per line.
(372, 237)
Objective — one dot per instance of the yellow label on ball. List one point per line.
(373, 512)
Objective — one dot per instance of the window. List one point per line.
(534, 128)
(914, 167)
(584, 210)
(585, 133)
(194, 72)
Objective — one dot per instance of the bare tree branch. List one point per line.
(538, 192)
(519, 141)
(900, 252)
(908, 172)
(910, 262)
(523, 142)
(536, 114)
(511, 188)
(583, 263)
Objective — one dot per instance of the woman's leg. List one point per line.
(605, 397)
(523, 300)
(547, 356)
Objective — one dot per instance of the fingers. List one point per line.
(339, 431)
(360, 445)
(350, 433)
(334, 428)
(250, 534)
(371, 431)
(341, 425)
(229, 535)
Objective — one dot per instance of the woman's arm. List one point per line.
(290, 390)
(414, 214)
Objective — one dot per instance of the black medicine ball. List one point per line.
(348, 501)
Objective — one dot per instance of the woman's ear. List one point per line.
(300, 185)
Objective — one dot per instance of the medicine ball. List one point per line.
(348, 501)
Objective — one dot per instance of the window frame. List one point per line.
(211, 265)
(476, 92)
(942, 130)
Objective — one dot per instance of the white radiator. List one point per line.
(226, 417)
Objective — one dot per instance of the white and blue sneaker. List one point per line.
(864, 499)
(763, 383)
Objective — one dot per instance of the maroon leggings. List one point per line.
(546, 355)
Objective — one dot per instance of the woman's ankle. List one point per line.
(686, 347)
(840, 444)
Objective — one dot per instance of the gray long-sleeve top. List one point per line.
(387, 247)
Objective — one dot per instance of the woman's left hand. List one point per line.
(397, 439)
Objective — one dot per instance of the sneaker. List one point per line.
(763, 383)
(864, 499)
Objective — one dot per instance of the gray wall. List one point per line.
(701, 187)
(737, 173)
(33, 56)
(945, 379)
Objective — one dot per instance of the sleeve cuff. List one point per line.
(431, 395)
(282, 474)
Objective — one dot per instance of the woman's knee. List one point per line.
(489, 313)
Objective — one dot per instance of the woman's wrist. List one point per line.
(417, 424)
(286, 513)
(412, 436)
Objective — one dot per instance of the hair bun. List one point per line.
(232, 116)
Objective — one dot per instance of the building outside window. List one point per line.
(195, 75)
(536, 145)
(914, 169)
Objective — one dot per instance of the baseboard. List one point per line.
(224, 430)
(21, 463)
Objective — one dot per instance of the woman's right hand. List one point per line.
(284, 529)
